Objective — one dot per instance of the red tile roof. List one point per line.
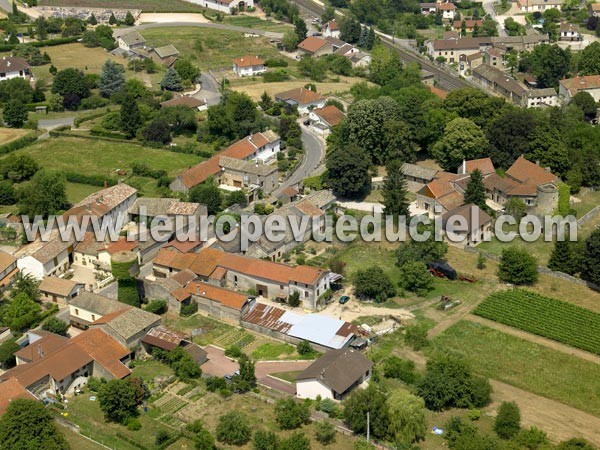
(330, 114)
(301, 96)
(228, 298)
(526, 171)
(248, 61)
(105, 350)
(45, 346)
(11, 390)
(312, 44)
(484, 165)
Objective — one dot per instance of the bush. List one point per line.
(233, 351)
(94, 102)
(290, 414)
(214, 384)
(518, 267)
(233, 429)
(304, 348)
(134, 424)
(276, 76)
(189, 310)
(161, 437)
(373, 284)
(401, 369)
(276, 62)
(416, 337)
(508, 420)
(157, 307)
(325, 432)
(17, 144)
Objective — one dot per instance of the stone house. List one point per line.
(59, 290)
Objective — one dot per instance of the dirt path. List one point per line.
(535, 338)
(560, 421)
(460, 313)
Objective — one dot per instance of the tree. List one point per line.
(112, 20)
(92, 20)
(16, 89)
(300, 29)
(586, 102)
(296, 441)
(265, 440)
(209, 194)
(25, 284)
(564, 257)
(517, 266)
(373, 284)
(19, 167)
(290, 40)
(385, 65)
(44, 195)
(416, 277)
(233, 429)
(130, 116)
(171, 81)
(202, 438)
(348, 171)
(373, 401)
(246, 379)
(71, 81)
(395, 191)
(408, 422)
(421, 251)
(448, 382)
(28, 425)
(7, 353)
(575, 444)
(508, 420)
(462, 140)
(294, 299)
(290, 414)
(8, 195)
(129, 19)
(15, 113)
(589, 59)
(475, 192)
(186, 70)
(57, 326)
(162, 436)
(401, 369)
(157, 131)
(157, 306)
(325, 432)
(550, 63)
(112, 78)
(590, 267)
(516, 207)
(118, 400)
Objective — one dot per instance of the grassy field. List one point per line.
(211, 329)
(145, 5)
(148, 370)
(77, 192)
(210, 48)
(256, 22)
(287, 376)
(326, 88)
(103, 158)
(10, 134)
(526, 365)
(79, 442)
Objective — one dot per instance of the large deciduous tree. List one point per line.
(408, 421)
(71, 81)
(371, 400)
(348, 171)
(550, 63)
(385, 65)
(462, 140)
(15, 113)
(46, 194)
(233, 428)
(118, 400)
(28, 425)
(589, 59)
(373, 284)
(518, 266)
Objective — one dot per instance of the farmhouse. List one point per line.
(440, 195)
(131, 41)
(467, 225)
(11, 390)
(417, 176)
(315, 46)
(569, 32)
(470, 25)
(334, 375)
(322, 120)
(8, 269)
(499, 82)
(332, 29)
(187, 101)
(268, 279)
(237, 174)
(447, 9)
(42, 258)
(248, 66)
(569, 87)
(539, 5)
(59, 290)
(260, 146)
(304, 99)
(110, 203)
(454, 49)
(539, 98)
(13, 67)
(127, 325)
(166, 55)
(69, 363)
(88, 307)
(215, 301)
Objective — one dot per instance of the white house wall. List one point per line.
(312, 389)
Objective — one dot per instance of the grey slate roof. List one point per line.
(166, 51)
(413, 170)
(132, 321)
(96, 303)
(338, 369)
(133, 38)
(246, 166)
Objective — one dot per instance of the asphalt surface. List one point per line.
(218, 26)
(445, 79)
(50, 124)
(210, 92)
(314, 153)
(488, 7)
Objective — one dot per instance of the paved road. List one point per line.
(210, 90)
(314, 153)
(219, 26)
(50, 124)
(488, 7)
(445, 79)
(266, 368)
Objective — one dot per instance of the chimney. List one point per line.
(40, 351)
(537, 163)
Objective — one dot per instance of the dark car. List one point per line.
(344, 299)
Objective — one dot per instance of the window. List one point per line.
(93, 317)
(306, 293)
(76, 312)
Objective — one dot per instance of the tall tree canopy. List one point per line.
(462, 139)
(348, 171)
(112, 78)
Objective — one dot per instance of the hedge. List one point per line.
(17, 144)
(92, 180)
(564, 195)
(55, 133)
(96, 131)
(79, 120)
(46, 43)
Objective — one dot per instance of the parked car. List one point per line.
(344, 299)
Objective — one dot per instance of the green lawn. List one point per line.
(287, 376)
(148, 370)
(273, 350)
(526, 365)
(210, 48)
(211, 329)
(103, 158)
(77, 192)
(255, 22)
(78, 442)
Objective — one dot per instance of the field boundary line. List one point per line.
(534, 338)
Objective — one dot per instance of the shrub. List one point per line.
(134, 424)
(401, 369)
(189, 309)
(416, 336)
(161, 437)
(276, 62)
(276, 76)
(214, 384)
(325, 432)
(290, 414)
(233, 351)
(233, 429)
(373, 284)
(157, 307)
(508, 420)
(518, 267)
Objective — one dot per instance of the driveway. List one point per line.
(265, 368)
(488, 7)
(218, 365)
(314, 153)
(50, 124)
(209, 92)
